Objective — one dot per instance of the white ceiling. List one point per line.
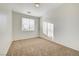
(29, 7)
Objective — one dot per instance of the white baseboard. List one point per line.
(4, 51)
(28, 37)
(41, 36)
(47, 38)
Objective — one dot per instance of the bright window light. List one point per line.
(45, 28)
(28, 24)
(48, 29)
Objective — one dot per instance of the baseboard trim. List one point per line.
(53, 41)
(26, 37)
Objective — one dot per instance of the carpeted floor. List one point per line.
(39, 47)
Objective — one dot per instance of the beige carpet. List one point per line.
(39, 47)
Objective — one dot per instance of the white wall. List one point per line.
(5, 29)
(66, 24)
(18, 34)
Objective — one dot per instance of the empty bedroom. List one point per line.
(39, 29)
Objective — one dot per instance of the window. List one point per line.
(28, 24)
(48, 29)
(31, 24)
(45, 28)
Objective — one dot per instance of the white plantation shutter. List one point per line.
(45, 28)
(28, 24)
(52, 31)
(31, 23)
(48, 29)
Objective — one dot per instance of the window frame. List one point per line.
(48, 31)
(29, 26)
